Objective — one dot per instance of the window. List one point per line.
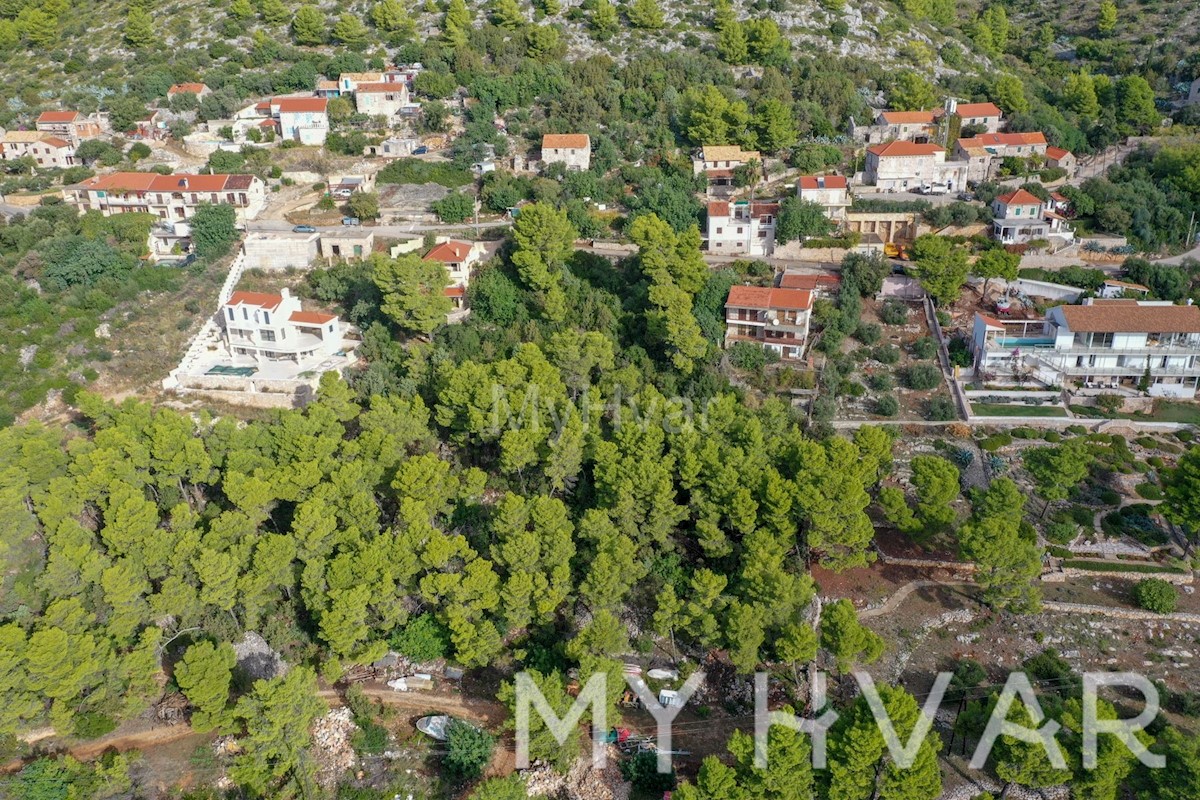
(267, 335)
(283, 333)
(266, 317)
(230, 310)
(245, 313)
(720, 231)
(331, 327)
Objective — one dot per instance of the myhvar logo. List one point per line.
(594, 693)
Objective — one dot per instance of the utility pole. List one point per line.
(1191, 232)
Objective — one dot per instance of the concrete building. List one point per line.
(45, 149)
(173, 198)
(900, 166)
(1113, 344)
(819, 285)
(352, 244)
(877, 228)
(348, 82)
(70, 125)
(741, 228)
(275, 251)
(830, 192)
(273, 327)
(1113, 288)
(926, 126)
(572, 149)
(381, 99)
(717, 163)
(777, 319)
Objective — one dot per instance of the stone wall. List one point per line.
(1118, 613)
(1061, 575)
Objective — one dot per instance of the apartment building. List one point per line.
(572, 149)
(830, 192)
(45, 149)
(1100, 344)
(777, 319)
(301, 119)
(741, 228)
(902, 166)
(173, 198)
(273, 327)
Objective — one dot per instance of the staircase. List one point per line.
(209, 334)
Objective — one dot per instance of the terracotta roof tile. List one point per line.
(1004, 139)
(904, 149)
(58, 116)
(300, 105)
(977, 110)
(449, 252)
(795, 280)
(311, 317)
(454, 291)
(1057, 153)
(573, 141)
(187, 88)
(762, 297)
(1020, 198)
(908, 117)
(1131, 318)
(822, 182)
(718, 208)
(267, 301)
(991, 322)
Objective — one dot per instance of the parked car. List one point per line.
(420, 151)
(966, 196)
(187, 261)
(304, 229)
(351, 221)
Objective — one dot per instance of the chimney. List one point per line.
(285, 293)
(183, 182)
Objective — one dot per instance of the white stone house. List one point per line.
(572, 149)
(381, 99)
(45, 149)
(899, 166)
(776, 319)
(459, 259)
(273, 327)
(1019, 217)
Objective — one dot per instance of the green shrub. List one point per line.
(468, 749)
(1054, 437)
(881, 382)
(422, 639)
(887, 406)
(371, 738)
(1061, 532)
(93, 725)
(1157, 595)
(1076, 429)
(894, 312)
(886, 354)
(868, 333)
(940, 409)
(1149, 491)
(995, 442)
(1024, 433)
(1185, 435)
(923, 377)
(925, 347)
(1156, 462)
(751, 357)
(1058, 552)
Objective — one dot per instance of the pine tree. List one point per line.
(846, 639)
(204, 675)
(507, 14)
(350, 31)
(390, 16)
(241, 9)
(413, 291)
(274, 12)
(543, 238)
(732, 44)
(604, 19)
(646, 14)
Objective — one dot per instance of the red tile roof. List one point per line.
(58, 116)
(300, 105)
(1003, 139)
(908, 117)
(763, 297)
(991, 322)
(1057, 153)
(267, 301)
(1131, 318)
(1126, 285)
(794, 280)
(454, 291)
(187, 88)
(822, 182)
(1058, 197)
(153, 182)
(718, 208)
(377, 88)
(575, 141)
(977, 110)
(449, 252)
(54, 141)
(1020, 198)
(904, 149)
(311, 317)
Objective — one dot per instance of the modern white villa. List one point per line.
(1100, 344)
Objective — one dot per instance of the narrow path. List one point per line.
(902, 594)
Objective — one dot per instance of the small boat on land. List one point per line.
(434, 726)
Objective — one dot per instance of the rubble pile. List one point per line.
(583, 782)
(331, 747)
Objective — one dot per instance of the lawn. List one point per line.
(1015, 410)
(1118, 566)
(1164, 411)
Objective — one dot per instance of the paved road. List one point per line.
(1194, 254)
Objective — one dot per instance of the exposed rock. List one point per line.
(256, 660)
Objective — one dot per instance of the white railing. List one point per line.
(210, 332)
